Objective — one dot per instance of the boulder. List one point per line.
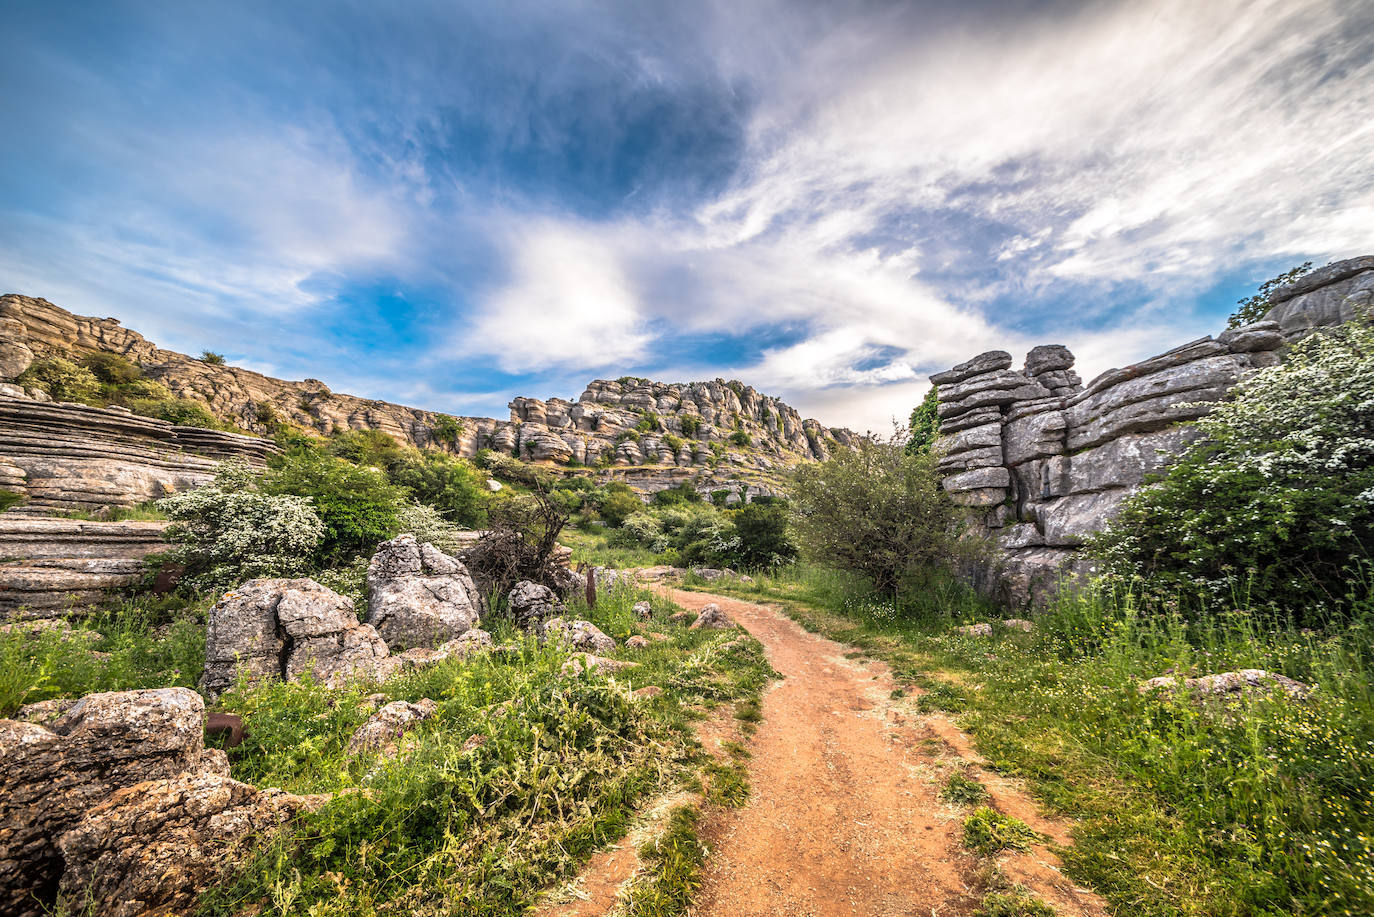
(1048, 358)
(577, 635)
(51, 776)
(644, 610)
(975, 630)
(648, 692)
(531, 604)
(419, 596)
(15, 357)
(1229, 684)
(153, 847)
(991, 361)
(636, 642)
(712, 618)
(1020, 624)
(382, 730)
(279, 628)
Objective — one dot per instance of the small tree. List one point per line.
(1252, 308)
(63, 380)
(357, 505)
(925, 422)
(231, 531)
(763, 537)
(876, 510)
(214, 359)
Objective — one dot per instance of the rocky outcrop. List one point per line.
(64, 457)
(1041, 461)
(577, 635)
(48, 566)
(717, 435)
(1229, 684)
(531, 604)
(52, 776)
(382, 730)
(278, 628)
(712, 618)
(418, 596)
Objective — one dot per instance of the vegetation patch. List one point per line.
(673, 869)
(987, 831)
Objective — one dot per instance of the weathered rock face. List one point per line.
(578, 635)
(419, 596)
(52, 776)
(66, 563)
(382, 730)
(276, 628)
(153, 847)
(532, 604)
(1042, 461)
(65, 457)
(688, 423)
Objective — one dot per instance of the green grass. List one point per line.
(142, 512)
(963, 790)
(673, 869)
(1013, 904)
(1262, 806)
(987, 831)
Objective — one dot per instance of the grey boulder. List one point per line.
(419, 596)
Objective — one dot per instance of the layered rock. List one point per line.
(58, 564)
(64, 457)
(628, 423)
(52, 776)
(531, 604)
(1042, 461)
(418, 596)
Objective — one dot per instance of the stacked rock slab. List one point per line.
(1042, 461)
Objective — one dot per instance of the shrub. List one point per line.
(1275, 503)
(9, 499)
(449, 484)
(1253, 308)
(62, 380)
(519, 544)
(111, 368)
(214, 359)
(357, 505)
(676, 495)
(691, 424)
(365, 447)
(988, 831)
(925, 422)
(878, 511)
(231, 531)
(672, 442)
(180, 411)
(647, 424)
(619, 503)
(447, 428)
(427, 525)
(764, 541)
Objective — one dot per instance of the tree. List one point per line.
(1274, 505)
(618, 504)
(925, 422)
(357, 505)
(763, 537)
(1253, 308)
(877, 511)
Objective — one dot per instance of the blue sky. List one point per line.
(449, 204)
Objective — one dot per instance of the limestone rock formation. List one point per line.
(531, 605)
(279, 628)
(712, 618)
(153, 847)
(578, 635)
(1223, 684)
(1042, 461)
(418, 596)
(653, 435)
(52, 776)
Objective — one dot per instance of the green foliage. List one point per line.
(111, 368)
(1273, 505)
(365, 447)
(62, 380)
(357, 505)
(691, 424)
(428, 525)
(648, 424)
(741, 439)
(180, 411)
(448, 428)
(147, 643)
(9, 499)
(673, 869)
(619, 503)
(878, 511)
(1253, 308)
(764, 541)
(963, 790)
(449, 484)
(925, 422)
(1013, 904)
(988, 831)
(233, 530)
(676, 495)
(209, 356)
(672, 442)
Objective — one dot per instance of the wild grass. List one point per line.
(1263, 805)
(963, 790)
(988, 831)
(673, 869)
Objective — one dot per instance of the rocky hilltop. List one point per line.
(653, 434)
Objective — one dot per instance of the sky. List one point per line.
(449, 204)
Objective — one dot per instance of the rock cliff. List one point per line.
(1042, 461)
(656, 435)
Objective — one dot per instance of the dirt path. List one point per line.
(844, 817)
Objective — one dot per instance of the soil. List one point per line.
(844, 818)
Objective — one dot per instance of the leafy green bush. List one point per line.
(62, 380)
(232, 530)
(676, 495)
(448, 428)
(925, 422)
(9, 499)
(214, 359)
(619, 503)
(448, 483)
(111, 368)
(764, 541)
(741, 439)
(691, 424)
(988, 831)
(426, 524)
(180, 411)
(357, 505)
(878, 511)
(1275, 504)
